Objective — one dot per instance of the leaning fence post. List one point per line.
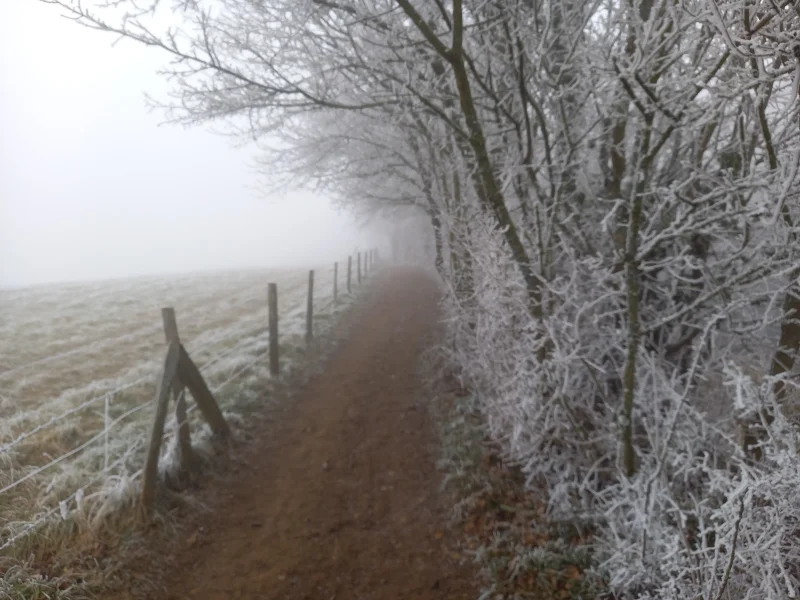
(274, 360)
(359, 268)
(310, 308)
(179, 393)
(191, 376)
(335, 281)
(349, 273)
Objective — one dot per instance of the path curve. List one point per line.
(343, 502)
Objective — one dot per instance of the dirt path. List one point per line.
(344, 503)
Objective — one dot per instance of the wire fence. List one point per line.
(62, 481)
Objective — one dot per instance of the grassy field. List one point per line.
(78, 370)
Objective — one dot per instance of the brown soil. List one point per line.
(342, 502)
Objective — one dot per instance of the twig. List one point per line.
(728, 570)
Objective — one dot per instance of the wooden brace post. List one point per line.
(150, 476)
(310, 308)
(274, 357)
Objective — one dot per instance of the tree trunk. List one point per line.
(436, 224)
(461, 259)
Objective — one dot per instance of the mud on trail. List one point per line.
(342, 501)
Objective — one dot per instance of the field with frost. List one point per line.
(78, 370)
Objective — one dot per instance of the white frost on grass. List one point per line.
(84, 442)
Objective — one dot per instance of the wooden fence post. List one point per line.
(274, 360)
(335, 281)
(179, 393)
(150, 476)
(310, 308)
(349, 273)
(192, 378)
(359, 268)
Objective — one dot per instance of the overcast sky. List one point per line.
(91, 186)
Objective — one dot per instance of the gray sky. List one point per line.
(91, 186)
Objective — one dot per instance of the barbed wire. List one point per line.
(5, 448)
(102, 434)
(218, 357)
(235, 375)
(42, 518)
(75, 450)
(195, 350)
(250, 338)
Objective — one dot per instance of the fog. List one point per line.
(92, 186)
